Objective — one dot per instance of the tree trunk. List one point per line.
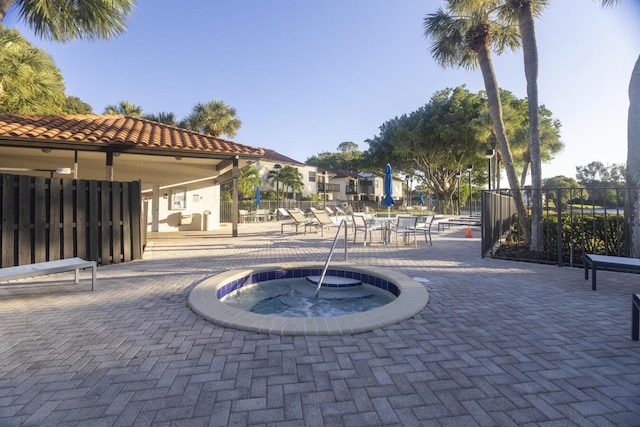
(530, 53)
(495, 110)
(633, 162)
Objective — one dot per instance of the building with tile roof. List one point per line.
(181, 170)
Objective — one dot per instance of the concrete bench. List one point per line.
(50, 267)
(596, 261)
(635, 317)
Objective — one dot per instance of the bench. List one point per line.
(635, 317)
(50, 267)
(596, 261)
(459, 221)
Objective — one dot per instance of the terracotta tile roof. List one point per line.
(274, 156)
(115, 130)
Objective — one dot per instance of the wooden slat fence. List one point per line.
(45, 219)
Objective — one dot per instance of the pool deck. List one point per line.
(499, 344)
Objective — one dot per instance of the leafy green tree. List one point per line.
(288, 177)
(64, 20)
(434, 142)
(30, 83)
(163, 117)
(465, 37)
(563, 185)
(124, 108)
(75, 105)
(347, 158)
(214, 118)
(595, 176)
(248, 181)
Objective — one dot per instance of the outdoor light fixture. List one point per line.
(489, 155)
(469, 169)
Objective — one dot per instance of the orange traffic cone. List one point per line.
(469, 234)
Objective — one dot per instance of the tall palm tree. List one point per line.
(524, 12)
(124, 108)
(465, 38)
(64, 20)
(214, 118)
(632, 208)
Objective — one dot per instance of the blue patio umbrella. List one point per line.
(258, 196)
(388, 189)
(421, 199)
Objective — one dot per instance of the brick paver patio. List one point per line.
(499, 344)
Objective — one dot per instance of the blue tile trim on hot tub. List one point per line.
(378, 282)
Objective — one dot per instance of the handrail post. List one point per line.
(333, 246)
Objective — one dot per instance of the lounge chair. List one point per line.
(281, 213)
(360, 223)
(298, 220)
(323, 220)
(406, 226)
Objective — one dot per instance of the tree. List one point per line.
(525, 12)
(214, 118)
(30, 83)
(347, 158)
(595, 176)
(124, 108)
(64, 20)
(564, 185)
(248, 181)
(632, 206)
(292, 179)
(464, 38)
(435, 142)
(163, 117)
(75, 105)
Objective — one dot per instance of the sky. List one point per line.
(306, 75)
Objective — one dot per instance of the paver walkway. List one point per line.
(499, 344)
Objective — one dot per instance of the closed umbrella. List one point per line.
(388, 189)
(258, 196)
(421, 199)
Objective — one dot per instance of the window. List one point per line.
(178, 199)
(312, 177)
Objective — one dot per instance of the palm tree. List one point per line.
(124, 108)
(214, 118)
(249, 180)
(525, 11)
(465, 38)
(30, 83)
(64, 20)
(163, 117)
(632, 208)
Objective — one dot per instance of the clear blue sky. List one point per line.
(307, 75)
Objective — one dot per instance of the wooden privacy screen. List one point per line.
(45, 219)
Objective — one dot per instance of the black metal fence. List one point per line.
(575, 221)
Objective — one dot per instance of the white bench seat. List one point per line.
(50, 267)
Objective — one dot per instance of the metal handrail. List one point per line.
(333, 246)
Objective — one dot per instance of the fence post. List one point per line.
(559, 210)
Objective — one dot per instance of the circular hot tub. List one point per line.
(408, 297)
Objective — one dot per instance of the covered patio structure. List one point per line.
(121, 148)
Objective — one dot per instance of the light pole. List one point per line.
(489, 155)
(469, 169)
(277, 167)
(326, 179)
(408, 179)
(458, 175)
